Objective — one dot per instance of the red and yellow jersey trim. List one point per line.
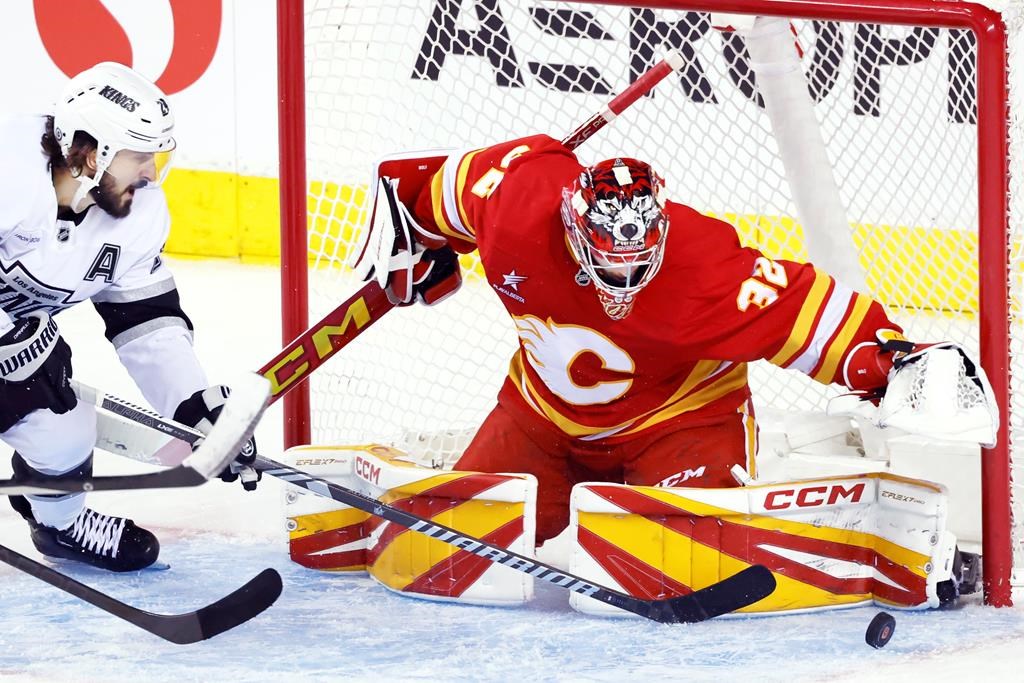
(446, 202)
(810, 313)
(706, 383)
(843, 341)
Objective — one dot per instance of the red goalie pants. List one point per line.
(692, 456)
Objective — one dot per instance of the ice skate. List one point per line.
(105, 541)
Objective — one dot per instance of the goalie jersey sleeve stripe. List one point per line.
(445, 197)
(845, 340)
(461, 175)
(463, 198)
(832, 319)
(801, 335)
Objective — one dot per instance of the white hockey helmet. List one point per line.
(121, 110)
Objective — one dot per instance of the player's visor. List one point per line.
(143, 169)
(163, 162)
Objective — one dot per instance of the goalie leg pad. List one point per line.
(830, 542)
(498, 508)
(501, 445)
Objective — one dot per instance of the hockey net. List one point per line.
(891, 197)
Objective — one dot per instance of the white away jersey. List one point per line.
(51, 264)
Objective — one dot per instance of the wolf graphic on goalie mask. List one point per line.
(616, 228)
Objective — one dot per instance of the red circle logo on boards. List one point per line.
(80, 34)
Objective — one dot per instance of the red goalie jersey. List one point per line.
(679, 358)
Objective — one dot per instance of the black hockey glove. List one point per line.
(35, 370)
(201, 410)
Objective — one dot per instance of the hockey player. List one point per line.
(82, 217)
(636, 316)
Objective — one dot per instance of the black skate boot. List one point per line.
(112, 543)
(105, 541)
(966, 578)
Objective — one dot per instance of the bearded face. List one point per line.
(115, 197)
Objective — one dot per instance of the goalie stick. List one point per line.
(729, 595)
(234, 609)
(312, 348)
(237, 421)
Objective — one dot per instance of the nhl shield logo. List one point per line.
(582, 279)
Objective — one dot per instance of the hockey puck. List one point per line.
(880, 630)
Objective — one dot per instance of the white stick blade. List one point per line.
(250, 394)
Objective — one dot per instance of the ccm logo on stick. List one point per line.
(813, 496)
(367, 470)
(325, 339)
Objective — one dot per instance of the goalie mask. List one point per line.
(616, 228)
(122, 111)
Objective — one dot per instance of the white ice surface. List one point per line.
(343, 627)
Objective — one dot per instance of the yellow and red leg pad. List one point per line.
(831, 542)
(497, 508)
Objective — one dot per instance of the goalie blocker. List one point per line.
(409, 262)
(830, 542)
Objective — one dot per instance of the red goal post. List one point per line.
(910, 114)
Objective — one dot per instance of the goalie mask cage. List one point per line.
(900, 175)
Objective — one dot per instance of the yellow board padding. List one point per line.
(890, 256)
(223, 215)
(228, 215)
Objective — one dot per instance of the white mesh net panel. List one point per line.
(895, 106)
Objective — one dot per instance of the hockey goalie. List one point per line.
(626, 414)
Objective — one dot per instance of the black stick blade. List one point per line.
(736, 592)
(259, 593)
(237, 608)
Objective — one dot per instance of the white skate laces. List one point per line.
(98, 533)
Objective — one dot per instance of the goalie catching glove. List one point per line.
(409, 262)
(934, 390)
(201, 410)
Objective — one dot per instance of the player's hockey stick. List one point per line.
(312, 348)
(238, 418)
(234, 609)
(745, 588)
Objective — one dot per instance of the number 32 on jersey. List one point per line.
(761, 289)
